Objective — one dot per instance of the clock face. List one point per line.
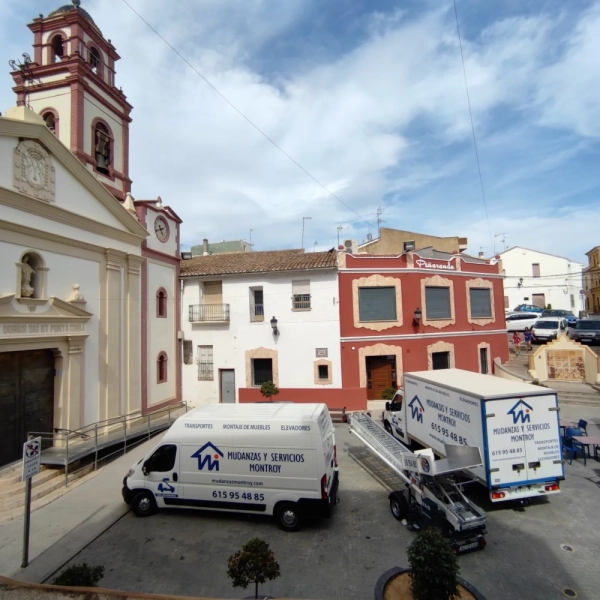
(161, 229)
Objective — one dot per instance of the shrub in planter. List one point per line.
(268, 389)
(81, 575)
(388, 393)
(254, 563)
(434, 567)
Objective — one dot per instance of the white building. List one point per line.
(229, 305)
(542, 279)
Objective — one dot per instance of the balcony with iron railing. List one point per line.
(301, 302)
(209, 313)
(257, 312)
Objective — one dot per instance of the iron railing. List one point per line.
(62, 447)
(208, 313)
(205, 370)
(301, 302)
(257, 312)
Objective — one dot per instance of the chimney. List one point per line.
(480, 254)
(205, 247)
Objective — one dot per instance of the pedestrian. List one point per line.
(528, 338)
(517, 342)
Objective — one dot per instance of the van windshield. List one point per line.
(594, 325)
(546, 325)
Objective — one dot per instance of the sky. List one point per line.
(363, 100)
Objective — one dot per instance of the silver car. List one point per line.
(587, 330)
(548, 328)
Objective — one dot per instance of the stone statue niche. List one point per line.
(31, 267)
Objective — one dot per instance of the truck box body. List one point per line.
(516, 426)
(245, 458)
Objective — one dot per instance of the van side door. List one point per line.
(395, 416)
(161, 472)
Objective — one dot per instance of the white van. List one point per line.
(275, 459)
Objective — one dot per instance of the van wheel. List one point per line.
(387, 427)
(398, 506)
(144, 504)
(288, 516)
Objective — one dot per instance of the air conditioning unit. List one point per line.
(350, 247)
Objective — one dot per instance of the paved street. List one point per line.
(186, 552)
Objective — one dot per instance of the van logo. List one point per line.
(521, 411)
(165, 486)
(416, 409)
(208, 455)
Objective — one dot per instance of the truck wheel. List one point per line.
(387, 427)
(398, 506)
(144, 504)
(288, 516)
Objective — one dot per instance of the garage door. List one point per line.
(26, 399)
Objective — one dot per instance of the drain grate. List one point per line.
(566, 548)
(569, 593)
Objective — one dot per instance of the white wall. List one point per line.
(560, 279)
(62, 104)
(161, 332)
(301, 332)
(64, 272)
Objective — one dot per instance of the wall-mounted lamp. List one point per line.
(417, 317)
(520, 282)
(274, 326)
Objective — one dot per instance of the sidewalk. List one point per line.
(62, 528)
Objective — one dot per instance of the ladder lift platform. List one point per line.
(431, 497)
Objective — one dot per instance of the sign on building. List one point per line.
(321, 353)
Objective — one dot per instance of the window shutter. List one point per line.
(302, 286)
(187, 352)
(481, 306)
(377, 304)
(437, 303)
(536, 269)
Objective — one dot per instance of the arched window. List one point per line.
(102, 148)
(161, 368)
(161, 303)
(95, 60)
(57, 48)
(51, 121)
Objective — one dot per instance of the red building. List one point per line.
(416, 311)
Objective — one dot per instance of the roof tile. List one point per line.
(257, 262)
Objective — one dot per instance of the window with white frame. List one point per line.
(205, 363)
(301, 294)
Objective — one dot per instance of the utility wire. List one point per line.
(187, 62)
(462, 56)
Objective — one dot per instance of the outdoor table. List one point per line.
(563, 424)
(587, 441)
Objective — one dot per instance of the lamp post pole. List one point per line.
(304, 219)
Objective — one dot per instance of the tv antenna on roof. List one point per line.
(26, 73)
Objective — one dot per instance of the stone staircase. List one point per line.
(47, 485)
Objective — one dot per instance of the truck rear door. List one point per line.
(523, 440)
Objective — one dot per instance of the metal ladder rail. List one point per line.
(380, 442)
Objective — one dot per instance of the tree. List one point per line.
(268, 389)
(388, 393)
(81, 575)
(254, 563)
(434, 567)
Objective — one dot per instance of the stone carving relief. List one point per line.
(33, 173)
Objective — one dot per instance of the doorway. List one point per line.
(227, 386)
(381, 374)
(26, 399)
(440, 360)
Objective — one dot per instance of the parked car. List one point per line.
(567, 314)
(587, 330)
(517, 321)
(528, 308)
(546, 329)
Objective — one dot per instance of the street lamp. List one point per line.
(417, 317)
(274, 326)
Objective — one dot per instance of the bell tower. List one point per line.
(71, 84)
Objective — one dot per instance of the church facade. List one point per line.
(89, 277)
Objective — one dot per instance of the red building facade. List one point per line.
(417, 311)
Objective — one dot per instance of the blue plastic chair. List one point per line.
(572, 447)
(583, 426)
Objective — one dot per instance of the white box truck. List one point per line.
(515, 425)
(274, 459)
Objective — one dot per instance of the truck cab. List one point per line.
(394, 420)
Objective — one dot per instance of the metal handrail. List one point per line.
(67, 437)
